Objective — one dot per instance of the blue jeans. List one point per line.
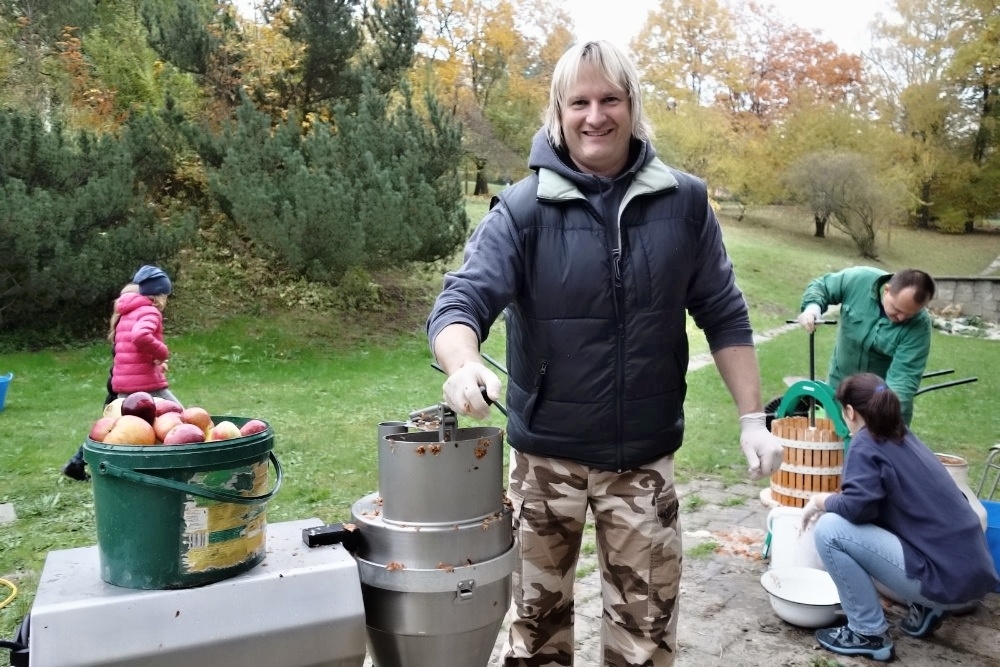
(854, 554)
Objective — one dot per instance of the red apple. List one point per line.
(166, 405)
(184, 434)
(140, 404)
(224, 430)
(163, 423)
(114, 408)
(131, 430)
(101, 428)
(253, 426)
(198, 417)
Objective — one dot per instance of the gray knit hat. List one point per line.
(152, 280)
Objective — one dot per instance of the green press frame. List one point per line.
(821, 393)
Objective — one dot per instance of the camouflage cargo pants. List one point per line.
(638, 550)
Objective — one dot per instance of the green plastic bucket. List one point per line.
(179, 516)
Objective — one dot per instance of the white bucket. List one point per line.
(788, 546)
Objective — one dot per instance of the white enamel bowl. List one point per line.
(802, 596)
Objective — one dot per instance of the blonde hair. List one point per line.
(613, 66)
(159, 300)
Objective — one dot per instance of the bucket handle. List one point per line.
(106, 468)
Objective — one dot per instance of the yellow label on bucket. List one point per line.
(220, 534)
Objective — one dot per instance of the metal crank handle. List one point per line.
(500, 367)
(490, 401)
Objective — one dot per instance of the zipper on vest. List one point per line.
(618, 292)
(620, 409)
(541, 374)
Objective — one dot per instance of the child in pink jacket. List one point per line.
(140, 355)
(140, 359)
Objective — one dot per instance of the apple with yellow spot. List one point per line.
(114, 408)
(224, 430)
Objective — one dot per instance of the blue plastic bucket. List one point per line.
(4, 383)
(993, 532)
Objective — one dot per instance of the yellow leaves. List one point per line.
(312, 118)
(271, 64)
(745, 60)
(479, 46)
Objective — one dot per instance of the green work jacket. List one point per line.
(867, 340)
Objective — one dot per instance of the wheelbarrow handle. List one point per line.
(942, 385)
(817, 321)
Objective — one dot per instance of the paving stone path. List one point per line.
(725, 617)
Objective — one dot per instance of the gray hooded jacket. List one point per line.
(596, 344)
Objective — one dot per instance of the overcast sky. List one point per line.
(842, 21)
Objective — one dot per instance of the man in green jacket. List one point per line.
(884, 325)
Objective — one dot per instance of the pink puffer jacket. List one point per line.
(138, 346)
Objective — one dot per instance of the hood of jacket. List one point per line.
(560, 180)
(130, 301)
(544, 156)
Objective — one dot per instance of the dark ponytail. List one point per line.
(868, 394)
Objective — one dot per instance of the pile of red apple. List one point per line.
(142, 419)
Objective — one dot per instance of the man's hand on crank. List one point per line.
(463, 390)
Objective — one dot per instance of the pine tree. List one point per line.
(380, 187)
(74, 226)
(351, 175)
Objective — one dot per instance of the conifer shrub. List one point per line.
(75, 223)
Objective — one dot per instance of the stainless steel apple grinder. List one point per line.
(435, 544)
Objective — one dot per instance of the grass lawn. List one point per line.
(325, 380)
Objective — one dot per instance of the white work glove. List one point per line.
(807, 318)
(463, 390)
(812, 510)
(763, 450)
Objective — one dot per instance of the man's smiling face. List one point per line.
(597, 125)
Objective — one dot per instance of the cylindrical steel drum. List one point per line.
(812, 461)
(436, 549)
(426, 481)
